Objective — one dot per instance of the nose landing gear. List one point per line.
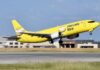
(90, 35)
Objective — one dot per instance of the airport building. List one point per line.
(15, 44)
(80, 44)
(4, 43)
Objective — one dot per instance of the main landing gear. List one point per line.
(57, 41)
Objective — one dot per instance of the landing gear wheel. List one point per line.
(60, 41)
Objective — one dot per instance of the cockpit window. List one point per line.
(91, 21)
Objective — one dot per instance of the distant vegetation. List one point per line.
(53, 66)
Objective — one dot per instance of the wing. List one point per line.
(49, 36)
(37, 34)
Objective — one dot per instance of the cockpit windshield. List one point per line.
(91, 21)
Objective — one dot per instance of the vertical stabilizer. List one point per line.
(17, 27)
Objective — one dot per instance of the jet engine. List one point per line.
(73, 36)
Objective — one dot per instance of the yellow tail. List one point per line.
(17, 27)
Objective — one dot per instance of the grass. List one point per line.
(53, 66)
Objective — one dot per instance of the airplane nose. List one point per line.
(97, 24)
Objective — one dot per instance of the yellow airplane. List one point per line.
(70, 31)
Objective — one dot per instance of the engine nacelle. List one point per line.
(73, 36)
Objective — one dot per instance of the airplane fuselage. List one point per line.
(66, 30)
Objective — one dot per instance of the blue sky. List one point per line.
(35, 15)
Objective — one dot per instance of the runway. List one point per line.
(35, 57)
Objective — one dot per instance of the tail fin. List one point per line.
(17, 27)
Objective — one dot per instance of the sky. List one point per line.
(36, 15)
